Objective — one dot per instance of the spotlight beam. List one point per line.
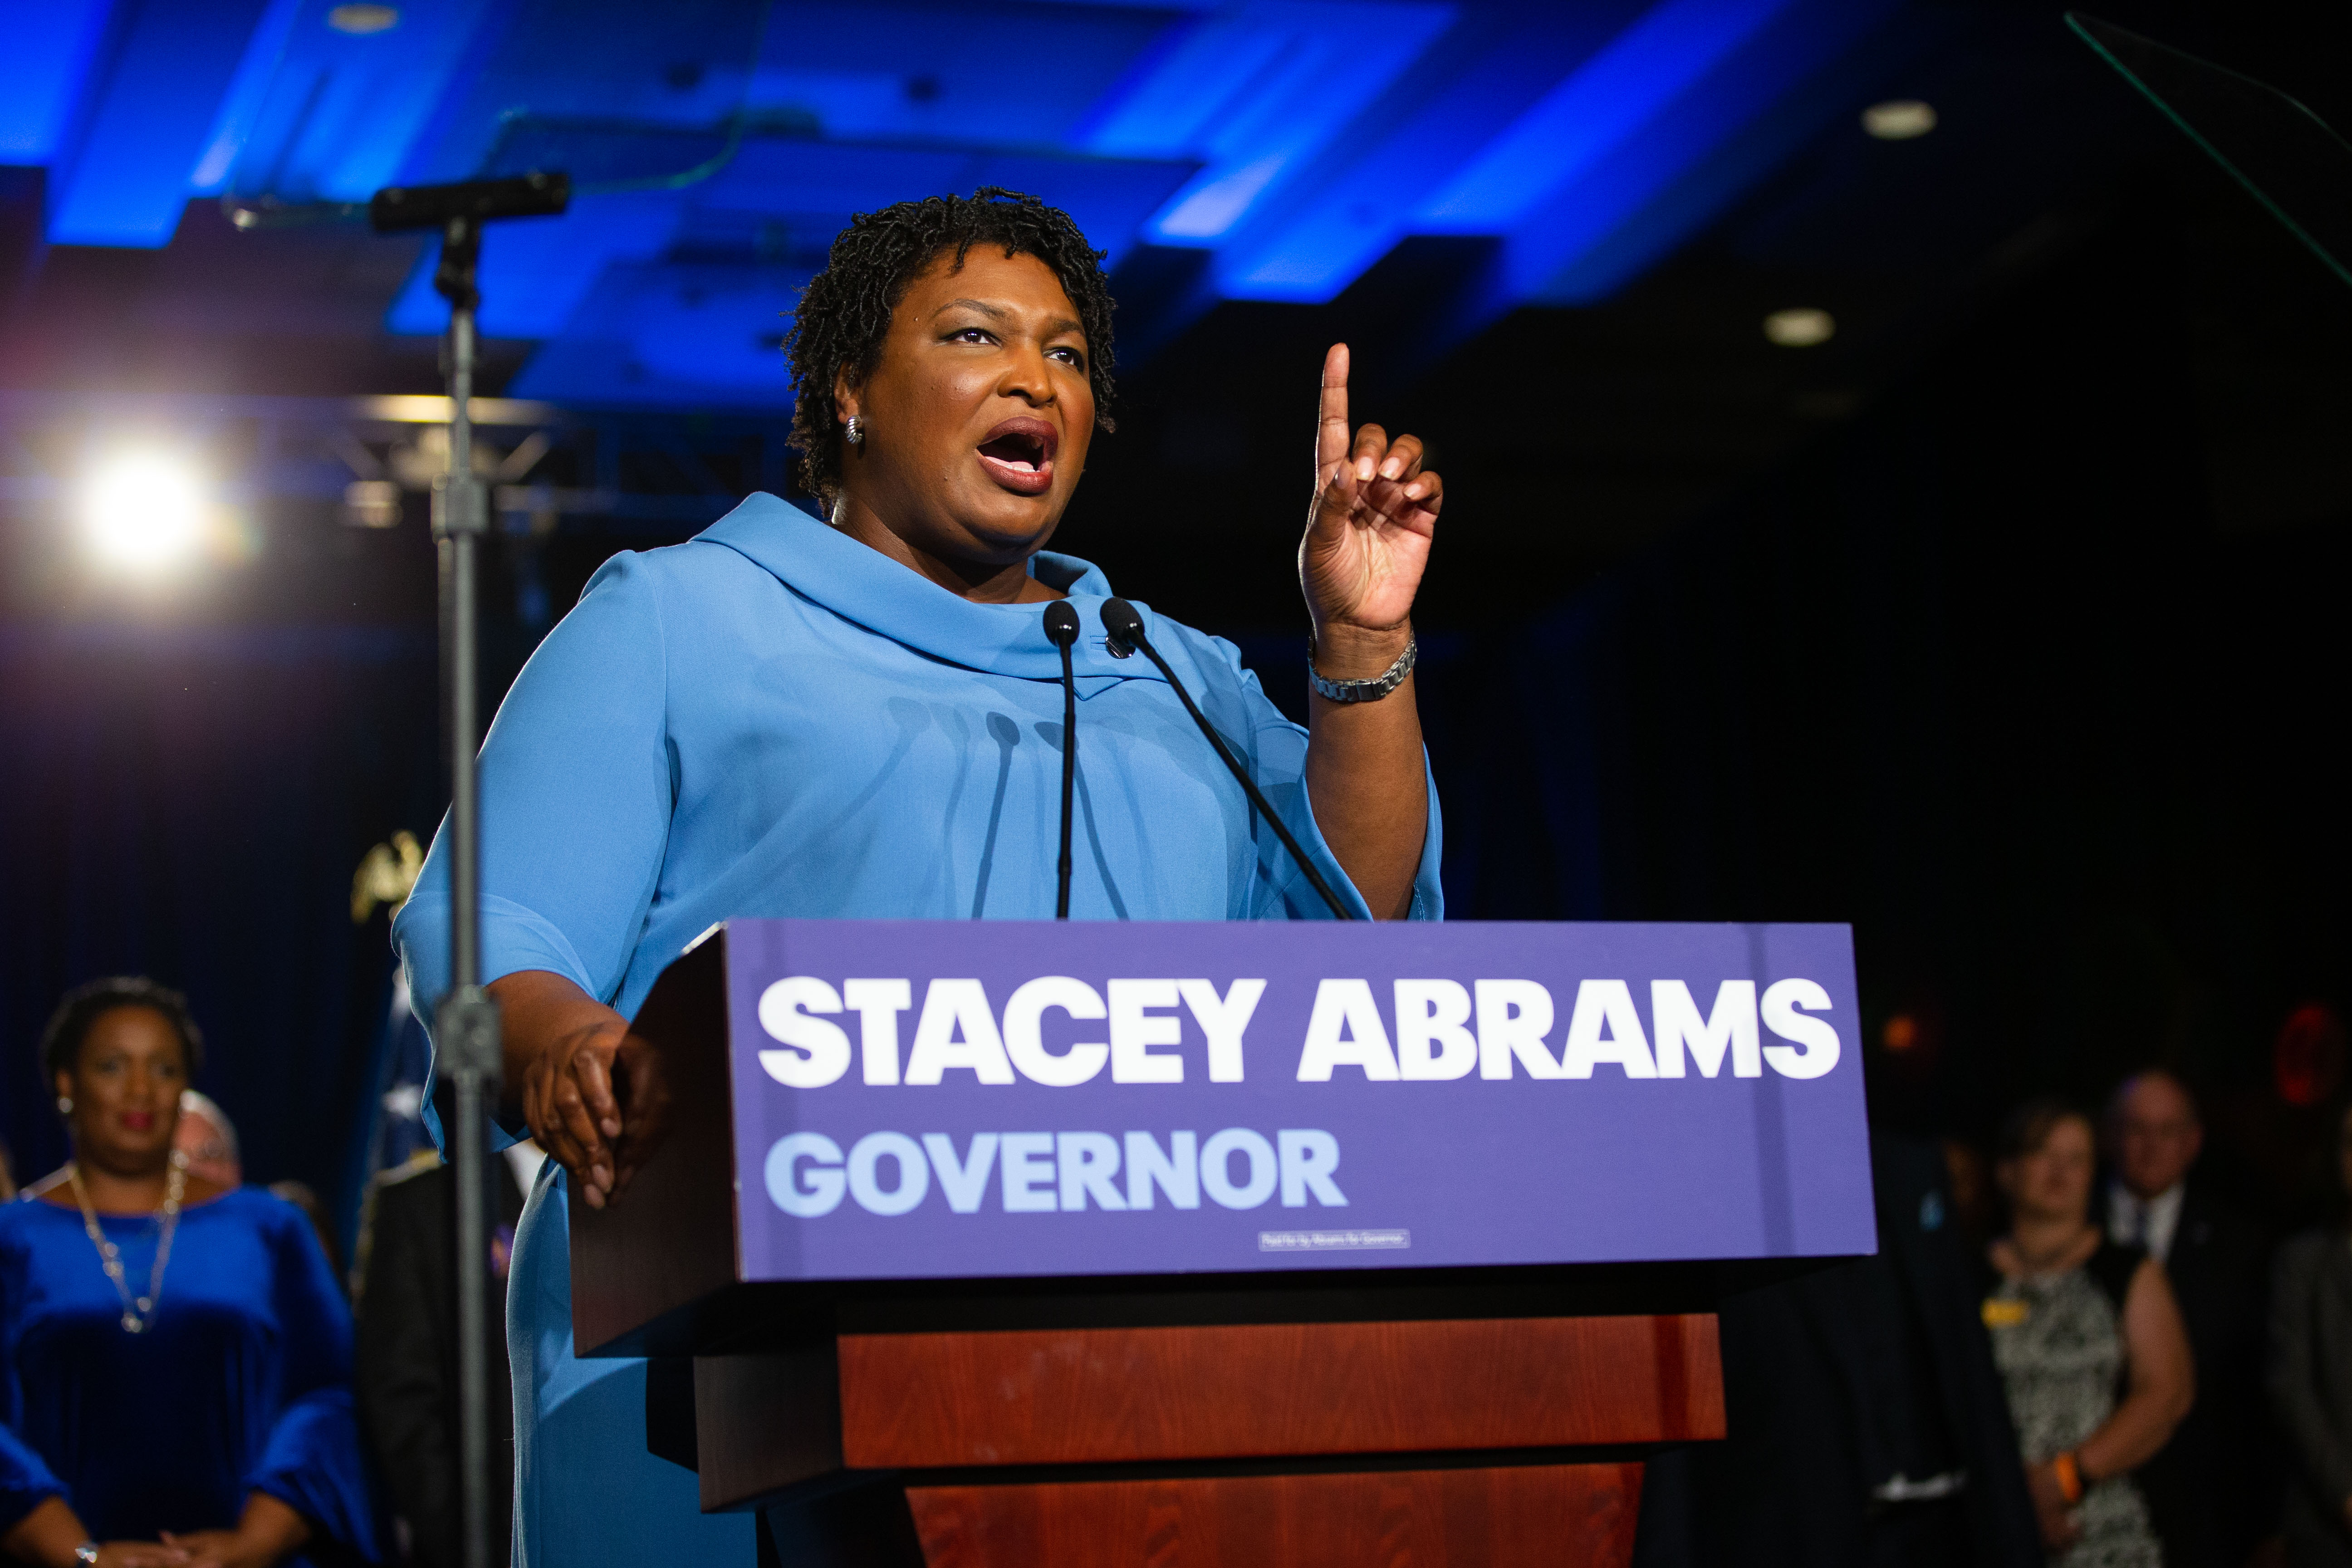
(144, 508)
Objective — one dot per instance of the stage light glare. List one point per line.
(1801, 328)
(144, 509)
(361, 20)
(1899, 118)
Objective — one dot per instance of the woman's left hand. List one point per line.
(1374, 515)
(215, 1549)
(267, 1534)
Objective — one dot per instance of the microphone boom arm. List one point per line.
(1129, 629)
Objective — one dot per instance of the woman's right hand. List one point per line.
(51, 1534)
(574, 1062)
(568, 1098)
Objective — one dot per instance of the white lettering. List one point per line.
(1088, 1161)
(1223, 1021)
(1610, 1003)
(1442, 1030)
(1782, 1000)
(914, 1172)
(823, 1193)
(1434, 1013)
(1217, 1178)
(878, 1003)
(1025, 1035)
(1044, 1173)
(1338, 1003)
(820, 1051)
(1514, 1016)
(1308, 1158)
(1731, 1028)
(967, 1183)
(1133, 1032)
(1028, 1165)
(948, 1006)
(1178, 1173)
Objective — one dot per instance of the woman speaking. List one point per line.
(783, 718)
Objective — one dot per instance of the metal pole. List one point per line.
(468, 1018)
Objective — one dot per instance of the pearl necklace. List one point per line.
(137, 1314)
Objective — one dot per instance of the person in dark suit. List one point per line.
(2210, 1490)
(2310, 1380)
(406, 1368)
(1867, 1424)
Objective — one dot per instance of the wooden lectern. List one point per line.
(1478, 1441)
(1481, 1415)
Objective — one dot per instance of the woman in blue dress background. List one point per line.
(860, 717)
(174, 1355)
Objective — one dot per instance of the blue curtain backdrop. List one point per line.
(191, 804)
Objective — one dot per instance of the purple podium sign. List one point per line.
(931, 1099)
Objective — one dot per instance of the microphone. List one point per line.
(1062, 631)
(1126, 629)
(396, 209)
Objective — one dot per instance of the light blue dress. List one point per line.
(774, 719)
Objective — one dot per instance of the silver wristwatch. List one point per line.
(1371, 690)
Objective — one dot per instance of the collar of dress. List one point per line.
(862, 585)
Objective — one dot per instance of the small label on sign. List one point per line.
(1331, 1240)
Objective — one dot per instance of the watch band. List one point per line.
(1371, 690)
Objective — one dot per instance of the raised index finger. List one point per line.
(1331, 422)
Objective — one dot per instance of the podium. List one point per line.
(1387, 1244)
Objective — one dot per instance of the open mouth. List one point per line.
(1019, 455)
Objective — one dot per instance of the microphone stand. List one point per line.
(469, 1017)
(466, 1033)
(1062, 631)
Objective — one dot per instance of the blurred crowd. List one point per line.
(2073, 1352)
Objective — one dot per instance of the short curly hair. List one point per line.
(70, 1025)
(844, 312)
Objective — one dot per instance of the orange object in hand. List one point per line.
(2070, 1478)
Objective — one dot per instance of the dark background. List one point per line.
(2006, 626)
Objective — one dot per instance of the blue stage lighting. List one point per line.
(1603, 105)
(44, 56)
(158, 92)
(1296, 142)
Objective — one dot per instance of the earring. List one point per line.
(64, 1105)
(854, 429)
